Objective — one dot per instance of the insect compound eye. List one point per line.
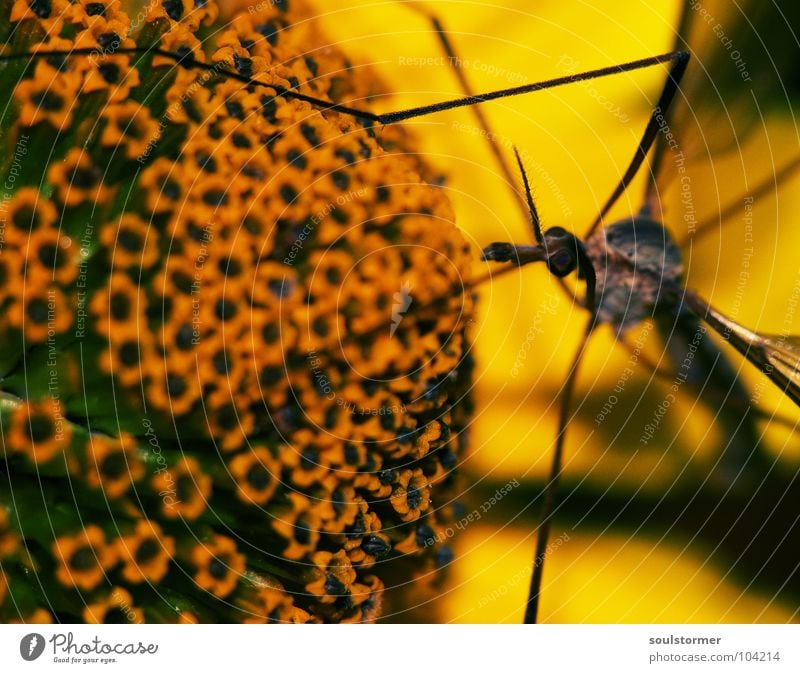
(562, 262)
(556, 232)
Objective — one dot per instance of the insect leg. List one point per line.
(548, 509)
(477, 110)
(650, 192)
(679, 59)
(762, 189)
(386, 118)
(412, 113)
(190, 63)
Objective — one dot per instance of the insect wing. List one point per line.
(778, 357)
(783, 358)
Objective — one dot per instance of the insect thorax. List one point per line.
(638, 267)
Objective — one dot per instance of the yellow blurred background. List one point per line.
(609, 566)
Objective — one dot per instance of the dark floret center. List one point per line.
(258, 477)
(171, 190)
(148, 550)
(37, 310)
(42, 427)
(333, 585)
(48, 255)
(129, 353)
(120, 306)
(302, 531)
(174, 9)
(176, 386)
(130, 240)
(114, 465)
(26, 219)
(218, 568)
(83, 559)
(184, 338)
(375, 546)
(82, 178)
(49, 101)
(42, 8)
(110, 72)
(95, 9)
(414, 497)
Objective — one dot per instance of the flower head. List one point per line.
(201, 337)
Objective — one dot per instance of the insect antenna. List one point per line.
(534, 214)
(527, 208)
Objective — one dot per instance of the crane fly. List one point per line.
(631, 269)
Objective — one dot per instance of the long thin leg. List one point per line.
(709, 224)
(650, 192)
(548, 509)
(385, 118)
(188, 62)
(676, 73)
(421, 111)
(477, 110)
(657, 119)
